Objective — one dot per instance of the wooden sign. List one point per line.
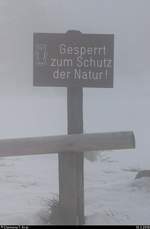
(73, 59)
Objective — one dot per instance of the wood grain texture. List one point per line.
(67, 143)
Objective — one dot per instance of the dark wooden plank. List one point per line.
(67, 143)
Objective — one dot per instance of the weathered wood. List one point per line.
(67, 143)
(71, 170)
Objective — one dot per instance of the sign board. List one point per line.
(73, 59)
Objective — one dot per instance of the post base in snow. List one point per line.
(59, 216)
(55, 215)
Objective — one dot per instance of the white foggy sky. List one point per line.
(30, 111)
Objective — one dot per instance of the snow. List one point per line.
(112, 194)
(27, 183)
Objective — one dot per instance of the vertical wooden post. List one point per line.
(71, 165)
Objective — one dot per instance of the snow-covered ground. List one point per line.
(112, 195)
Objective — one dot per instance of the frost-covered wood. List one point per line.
(67, 143)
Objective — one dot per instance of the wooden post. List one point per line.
(71, 169)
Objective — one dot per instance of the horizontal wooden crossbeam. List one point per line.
(67, 143)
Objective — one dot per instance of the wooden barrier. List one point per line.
(67, 143)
